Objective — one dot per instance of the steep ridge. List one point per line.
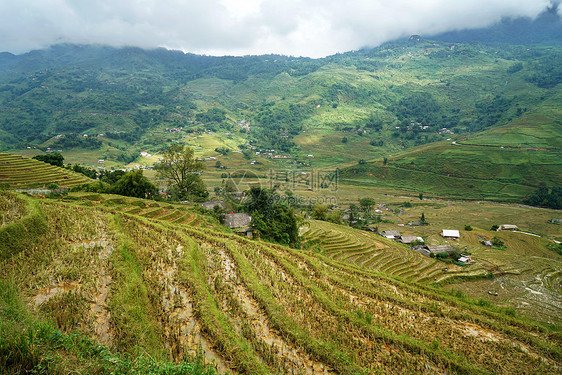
(144, 285)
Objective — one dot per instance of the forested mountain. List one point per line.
(375, 102)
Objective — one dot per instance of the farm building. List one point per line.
(422, 249)
(240, 223)
(487, 243)
(391, 234)
(410, 239)
(451, 233)
(436, 249)
(508, 227)
(465, 259)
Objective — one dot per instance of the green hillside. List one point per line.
(363, 105)
(149, 289)
(17, 172)
(503, 163)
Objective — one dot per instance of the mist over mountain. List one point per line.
(545, 29)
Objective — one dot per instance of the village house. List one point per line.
(391, 234)
(409, 239)
(465, 259)
(240, 223)
(422, 250)
(508, 227)
(451, 234)
(437, 249)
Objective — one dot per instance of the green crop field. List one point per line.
(142, 284)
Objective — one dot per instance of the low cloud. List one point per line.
(312, 28)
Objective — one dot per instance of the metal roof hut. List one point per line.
(508, 227)
(451, 233)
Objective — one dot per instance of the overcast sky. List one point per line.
(313, 28)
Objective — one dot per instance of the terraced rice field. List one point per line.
(17, 172)
(161, 211)
(154, 286)
(370, 251)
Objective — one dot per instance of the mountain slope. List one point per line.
(503, 163)
(150, 286)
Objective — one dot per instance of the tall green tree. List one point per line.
(367, 204)
(180, 167)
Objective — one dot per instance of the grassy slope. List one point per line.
(167, 288)
(503, 163)
(483, 171)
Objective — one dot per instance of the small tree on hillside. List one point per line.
(366, 204)
(497, 242)
(179, 166)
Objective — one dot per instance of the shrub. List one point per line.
(496, 242)
(467, 228)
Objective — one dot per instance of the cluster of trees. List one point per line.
(417, 107)
(178, 165)
(54, 159)
(131, 136)
(74, 140)
(545, 197)
(547, 71)
(491, 111)
(272, 218)
(212, 115)
(278, 124)
(323, 212)
(359, 216)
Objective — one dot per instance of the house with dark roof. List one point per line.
(240, 223)
(409, 239)
(436, 249)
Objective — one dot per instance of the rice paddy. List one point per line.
(155, 283)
